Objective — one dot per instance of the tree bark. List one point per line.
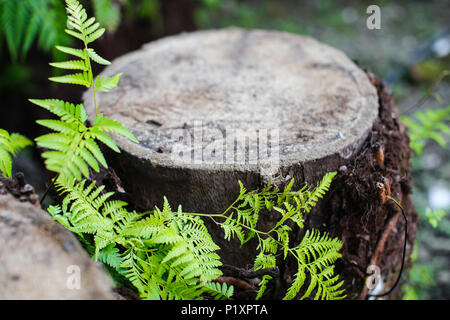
(213, 107)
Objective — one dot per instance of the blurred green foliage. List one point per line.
(434, 216)
(25, 22)
(420, 278)
(430, 124)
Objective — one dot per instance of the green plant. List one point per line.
(73, 146)
(423, 126)
(420, 277)
(23, 22)
(434, 216)
(10, 144)
(170, 254)
(430, 124)
(107, 13)
(166, 254)
(315, 254)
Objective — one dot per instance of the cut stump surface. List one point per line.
(240, 82)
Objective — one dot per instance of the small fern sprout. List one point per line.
(10, 145)
(86, 30)
(73, 146)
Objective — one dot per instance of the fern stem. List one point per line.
(48, 189)
(222, 215)
(403, 256)
(95, 98)
(91, 74)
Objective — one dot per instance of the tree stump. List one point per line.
(210, 108)
(40, 259)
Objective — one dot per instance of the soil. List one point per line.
(19, 189)
(358, 210)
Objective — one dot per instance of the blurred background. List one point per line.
(410, 52)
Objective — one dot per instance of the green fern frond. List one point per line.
(145, 228)
(105, 84)
(86, 30)
(74, 52)
(218, 291)
(68, 112)
(94, 56)
(167, 254)
(264, 260)
(319, 191)
(429, 124)
(315, 256)
(82, 78)
(71, 64)
(106, 125)
(132, 266)
(10, 144)
(181, 258)
(25, 21)
(232, 229)
(73, 147)
(110, 255)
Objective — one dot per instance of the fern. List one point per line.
(24, 22)
(315, 254)
(165, 254)
(168, 254)
(74, 145)
(10, 144)
(86, 30)
(430, 124)
(218, 291)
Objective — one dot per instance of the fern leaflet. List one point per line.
(73, 145)
(10, 144)
(316, 254)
